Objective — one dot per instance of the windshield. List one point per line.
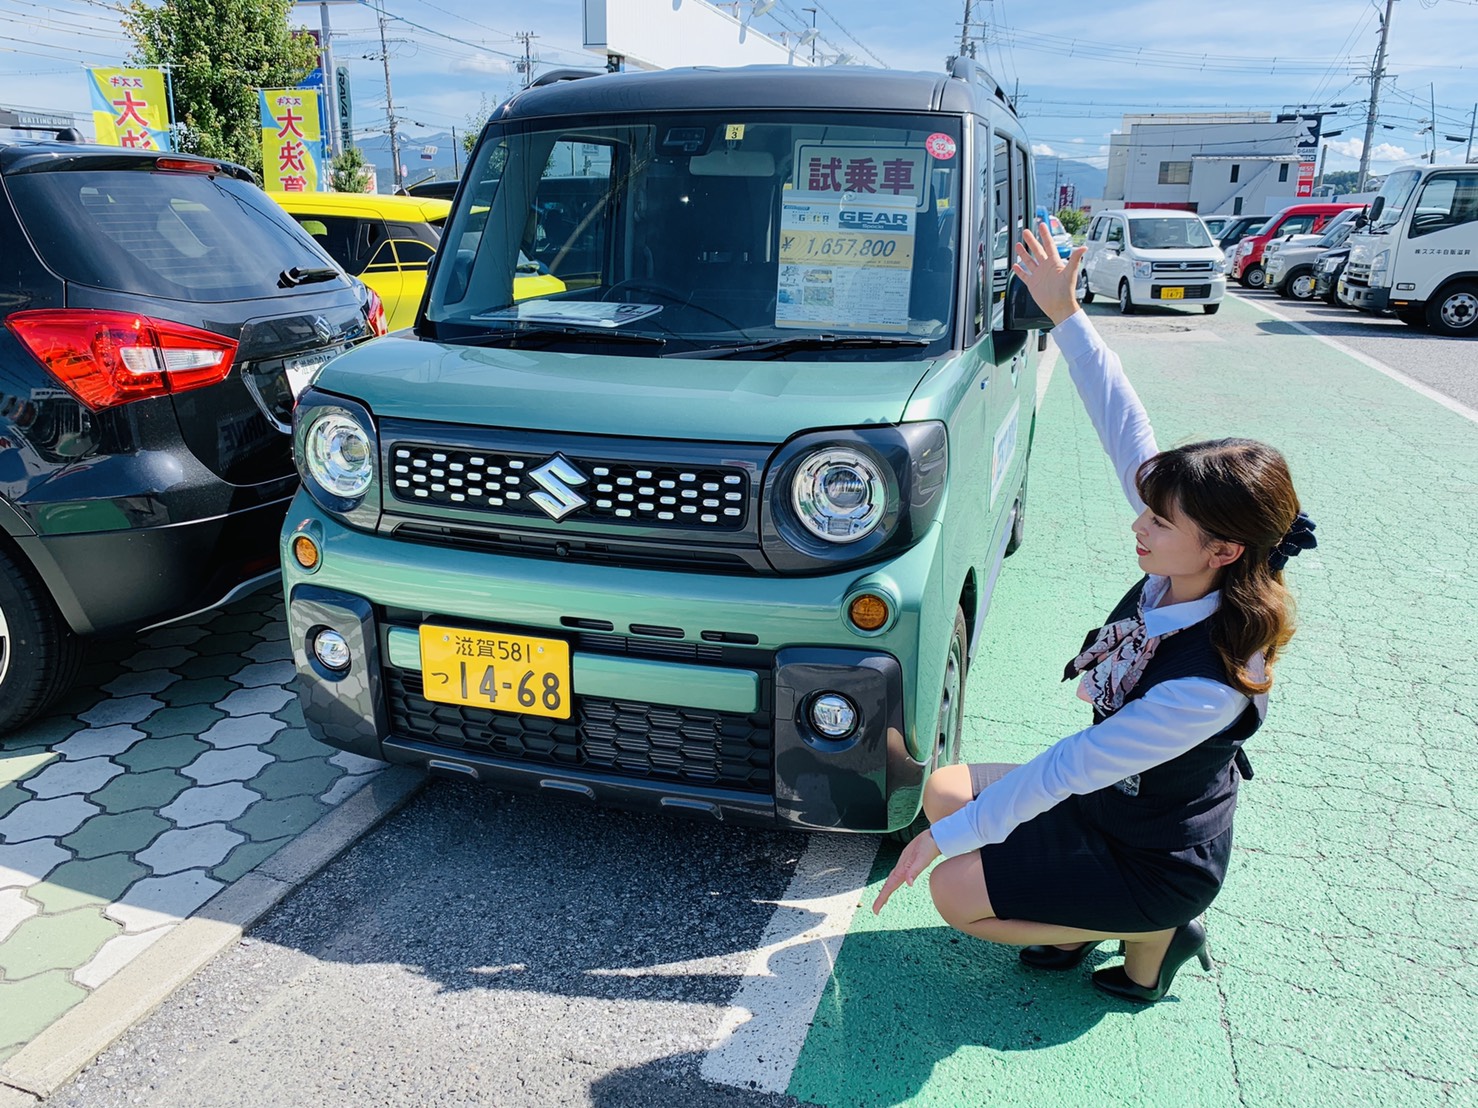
(1397, 192)
(709, 228)
(1336, 235)
(1167, 234)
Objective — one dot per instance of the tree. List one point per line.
(348, 172)
(219, 53)
(1073, 220)
(475, 123)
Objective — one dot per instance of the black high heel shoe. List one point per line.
(1054, 957)
(1189, 941)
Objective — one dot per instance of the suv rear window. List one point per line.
(180, 236)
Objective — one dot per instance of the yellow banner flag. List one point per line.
(130, 108)
(292, 140)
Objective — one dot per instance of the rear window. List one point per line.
(179, 236)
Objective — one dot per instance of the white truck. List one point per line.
(1417, 257)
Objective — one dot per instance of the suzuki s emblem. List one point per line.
(555, 477)
(323, 329)
(1185, 265)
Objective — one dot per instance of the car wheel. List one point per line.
(1300, 284)
(1254, 277)
(1454, 311)
(1083, 292)
(1126, 302)
(1018, 521)
(950, 721)
(1211, 309)
(39, 655)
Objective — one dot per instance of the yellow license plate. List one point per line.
(493, 669)
(1172, 294)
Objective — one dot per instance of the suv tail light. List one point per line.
(374, 311)
(110, 358)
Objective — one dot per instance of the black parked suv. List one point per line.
(160, 311)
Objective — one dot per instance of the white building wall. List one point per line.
(1152, 145)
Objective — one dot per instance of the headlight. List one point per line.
(1219, 265)
(1378, 266)
(838, 495)
(1144, 269)
(335, 446)
(338, 454)
(853, 495)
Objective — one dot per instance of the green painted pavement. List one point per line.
(1345, 940)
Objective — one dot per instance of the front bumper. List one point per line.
(691, 690)
(1362, 297)
(1195, 288)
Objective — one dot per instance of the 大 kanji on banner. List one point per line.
(130, 108)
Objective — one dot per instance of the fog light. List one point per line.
(305, 552)
(868, 611)
(833, 715)
(330, 648)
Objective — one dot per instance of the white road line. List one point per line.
(762, 1033)
(1365, 359)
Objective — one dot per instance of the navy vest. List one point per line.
(1190, 799)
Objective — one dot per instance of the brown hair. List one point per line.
(1239, 491)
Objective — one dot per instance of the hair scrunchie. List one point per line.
(1300, 537)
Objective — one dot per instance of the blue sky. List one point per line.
(1079, 67)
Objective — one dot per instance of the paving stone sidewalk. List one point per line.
(177, 764)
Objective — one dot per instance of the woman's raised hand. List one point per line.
(1051, 281)
(913, 861)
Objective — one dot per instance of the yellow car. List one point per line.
(387, 242)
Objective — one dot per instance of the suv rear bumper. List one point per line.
(656, 722)
(137, 577)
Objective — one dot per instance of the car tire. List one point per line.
(950, 723)
(1018, 521)
(1083, 292)
(1454, 310)
(1126, 300)
(1211, 309)
(1299, 284)
(1254, 277)
(39, 655)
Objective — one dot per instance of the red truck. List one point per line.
(1245, 260)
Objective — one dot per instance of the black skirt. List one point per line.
(1055, 868)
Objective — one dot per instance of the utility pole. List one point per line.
(1375, 79)
(526, 67)
(1468, 157)
(456, 165)
(1432, 92)
(813, 33)
(967, 42)
(390, 108)
(330, 92)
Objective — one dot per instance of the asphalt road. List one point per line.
(1446, 364)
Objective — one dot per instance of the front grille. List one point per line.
(1357, 273)
(602, 490)
(1191, 292)
(621, 738)
(1181, 267)
(537, 545)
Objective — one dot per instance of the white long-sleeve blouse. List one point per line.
(1171, 717)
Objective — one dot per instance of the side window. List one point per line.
(383, 259)
(1116, 231)
(335, 233)
(1295, 225)
(1236, 172)
(1000, 167)
(1021, 196)
(985, 228)
(1446, 201)
(1096, 231)
(413, 254)
(1282, 172)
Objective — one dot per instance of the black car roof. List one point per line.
(27, 155)
(858, 88)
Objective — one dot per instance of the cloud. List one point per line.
(1381, 153)
(1042, 150)
(482, 63)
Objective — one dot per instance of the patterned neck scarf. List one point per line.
(1116, 659)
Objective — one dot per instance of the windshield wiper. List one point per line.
(292, 278)
(777, 347)
(546, 335)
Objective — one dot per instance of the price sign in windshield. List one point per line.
(845, 264)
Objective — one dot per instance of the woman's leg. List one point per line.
(958, 888)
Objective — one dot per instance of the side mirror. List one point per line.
(1022, 313)
(1361, 218)
(1377, 206)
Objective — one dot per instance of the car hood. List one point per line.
(749, 401)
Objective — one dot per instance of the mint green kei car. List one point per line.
(715, 528)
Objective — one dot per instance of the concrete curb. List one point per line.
(52, 1058)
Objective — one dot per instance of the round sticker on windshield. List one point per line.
(940, 146)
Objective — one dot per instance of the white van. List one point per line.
(1152, 256)
(1418, 255)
